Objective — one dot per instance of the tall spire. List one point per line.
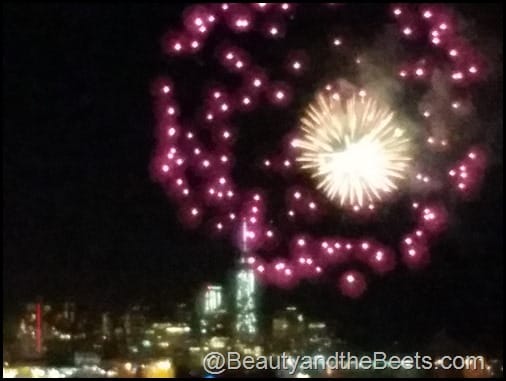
(244, 237)
(244, 242)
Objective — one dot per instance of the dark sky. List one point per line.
(83, 220)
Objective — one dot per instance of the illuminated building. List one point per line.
(288, 330)
(32, 331)
(106, 326)
(213, 314)
(245, 295)
(86, 359)
(246, 320)
(63, 322)
(214, 322)
(69, 312)
(134, 326)
(166, 338)
(213, 300)
(183, 314)
(318, 339)
(50, 332)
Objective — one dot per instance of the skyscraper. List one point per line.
(246, 323)
(134, 323)
(69, 312)
(32, 330)
(213, 299)
(212, 312)
(288, 330)
(318, 337)
(245, 295)
(183, 314)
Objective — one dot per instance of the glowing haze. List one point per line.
(353, 148)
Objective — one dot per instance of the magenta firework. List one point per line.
(307, 143)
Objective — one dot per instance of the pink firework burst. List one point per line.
(302, 187)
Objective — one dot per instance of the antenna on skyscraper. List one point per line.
(244, 243)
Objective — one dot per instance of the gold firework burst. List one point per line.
(353, 148)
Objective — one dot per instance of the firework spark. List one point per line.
(353, 148)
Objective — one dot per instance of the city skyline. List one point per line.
(59, 339)
(83, 220)
(207, 319)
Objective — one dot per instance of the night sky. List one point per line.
(83, 220)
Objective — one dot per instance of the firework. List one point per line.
(354, 148)
(352, 144)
